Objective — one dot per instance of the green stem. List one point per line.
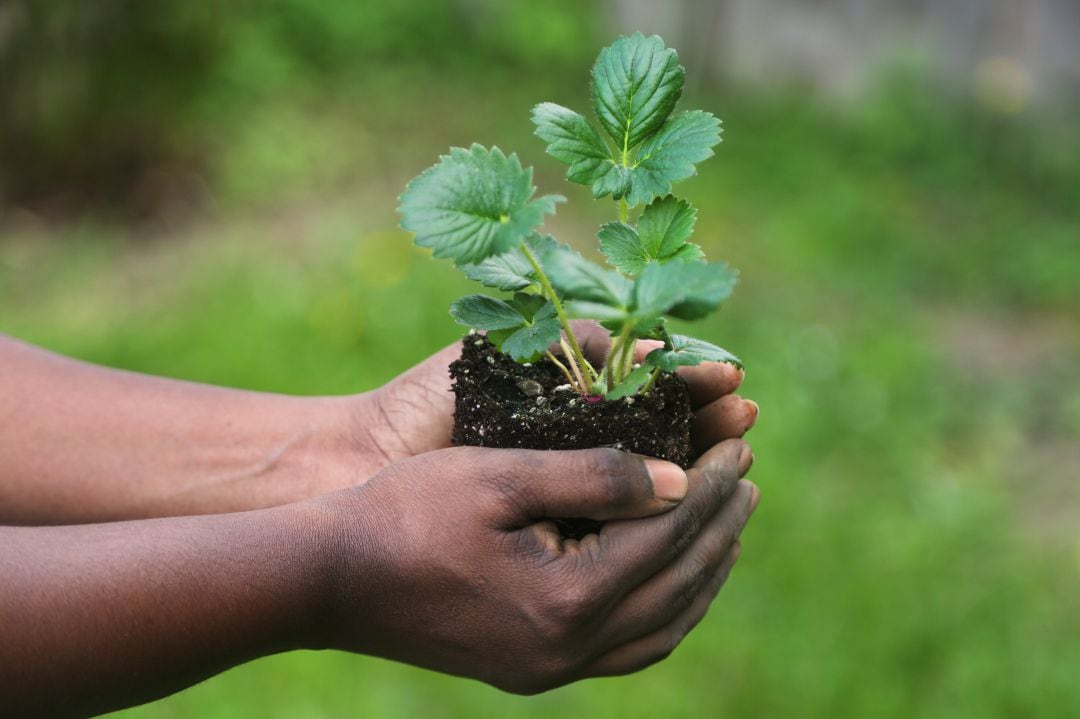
(545, 283)
(574, 366)
(615, 355)
(573, 382)
(624, 210)
(628, 357)
(650, 382)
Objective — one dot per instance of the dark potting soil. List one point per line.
(502, 403)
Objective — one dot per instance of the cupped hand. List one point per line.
(413, 413)
(448, 560)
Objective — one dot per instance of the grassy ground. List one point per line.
(908, 315)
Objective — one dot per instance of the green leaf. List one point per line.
(665, 226)
(672, 153)
(576, 278)
(687, 253)
(486, 313)
(686, 290)
(509, 272)
(473, 204)
(530, 305)
(636, 83)
(706, 286)
(631, 383)
(661, 236)
(571, 139)
(621, 245)
(582, 309)
(529, 343)
(687, 352)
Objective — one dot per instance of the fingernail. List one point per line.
(754, 410)
(755, 497)
(736, 550)
(746, 459)
(668, 480)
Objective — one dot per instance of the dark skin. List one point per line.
(256, 524)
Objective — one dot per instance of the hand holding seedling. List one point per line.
(184, 597)
(447, 558)
(470, 577)
(413, 413)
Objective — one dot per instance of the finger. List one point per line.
(599, 484)
(657, 645)
(669, 592)
(631, 552)
(729, 417)
(707, 382)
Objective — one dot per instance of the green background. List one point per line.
(210, 195)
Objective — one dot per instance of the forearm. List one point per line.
(81, 443)
(93, 618)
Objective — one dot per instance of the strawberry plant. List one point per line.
(476, 207)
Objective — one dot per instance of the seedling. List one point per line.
(476, 207)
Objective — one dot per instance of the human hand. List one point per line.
(413, 413)
(449, 560)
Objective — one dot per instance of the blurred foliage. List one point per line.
(123, 105)
(907, 313)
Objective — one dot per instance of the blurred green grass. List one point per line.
(907, 312)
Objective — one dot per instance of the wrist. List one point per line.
(316, 449)
(340, 540)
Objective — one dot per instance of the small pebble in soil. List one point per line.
(530, 388)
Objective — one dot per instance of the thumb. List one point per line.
(597, 484)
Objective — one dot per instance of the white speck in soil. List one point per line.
(478, 343)
(541, 401)
(564, 388)
(629, 400)
(472, 332)
(490, 360)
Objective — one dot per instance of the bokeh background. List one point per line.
(207, 191)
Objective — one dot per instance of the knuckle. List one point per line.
(505, 486)
(694, 576)
(689, 524)
(527, 683)
(565, 610)
(546, 672)
(615, 471)
(665, 648)
(574, 605)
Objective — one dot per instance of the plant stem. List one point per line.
(624, 210)
(628, 357)
(573, 365)
(573, 382)
(615, 361)
(545, 283)
(650, 382)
